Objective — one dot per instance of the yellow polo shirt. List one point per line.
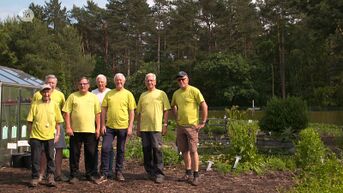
(44, 117)
(187, 102)
(151, 105)
(56, 96)
(83, 109)
(118, 104)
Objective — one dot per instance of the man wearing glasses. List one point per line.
(185, 103)
(82, 118)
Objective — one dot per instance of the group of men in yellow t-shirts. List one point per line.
(110, 113)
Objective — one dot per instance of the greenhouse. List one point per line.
(16, 91)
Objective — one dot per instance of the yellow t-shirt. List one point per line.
(83, 109)
(44, 117)
(187, 102)
(118, 104)
(56, 96)
(151, 106)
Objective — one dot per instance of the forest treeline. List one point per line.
(235, 51)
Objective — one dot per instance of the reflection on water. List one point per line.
(329, 117)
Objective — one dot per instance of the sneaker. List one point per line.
(91, 179)
(73, 180)
(151, 177)
(159, 179)
(102, 179)
(34, 182)
(195, 181)
(40, 178)
(61, 178)
(51, 180)
(185, 178)
(120, 177)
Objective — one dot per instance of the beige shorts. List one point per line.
(187, 138)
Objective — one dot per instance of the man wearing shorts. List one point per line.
(57, 97)
(185, 103)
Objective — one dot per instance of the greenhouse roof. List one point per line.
(10, 76)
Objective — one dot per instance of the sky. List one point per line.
(11, 8)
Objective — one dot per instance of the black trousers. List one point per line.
(37, 146)
(89, 142)
(152, 150)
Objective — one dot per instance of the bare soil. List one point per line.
(17, 180)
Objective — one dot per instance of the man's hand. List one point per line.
(103, 130)
(69, 131)
(97, 134)
(57, 138)
(164, 130)
(129, 131)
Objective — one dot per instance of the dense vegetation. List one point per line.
(236, 51)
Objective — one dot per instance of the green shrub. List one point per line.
(242, 136)
(282, 114)
(310, 150)
(170, 156)
(326, 177)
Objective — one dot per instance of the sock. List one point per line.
(189, 172)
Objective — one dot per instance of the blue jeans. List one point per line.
(110, 159)
(37, 146)
(107, 148)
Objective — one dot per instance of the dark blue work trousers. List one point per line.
(107, 147)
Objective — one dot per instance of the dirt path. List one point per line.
(16, 180)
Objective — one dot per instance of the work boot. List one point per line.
(185, 178)
(102, 179)
(34, 182)
(159, 179)
(73, 180)
(51, 180)
(195, 181)
(120, 177)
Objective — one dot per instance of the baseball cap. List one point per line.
(45, 86)
(181, 74)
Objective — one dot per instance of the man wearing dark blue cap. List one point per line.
(185, 103)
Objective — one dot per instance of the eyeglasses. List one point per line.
(181, 79)
(83, 84)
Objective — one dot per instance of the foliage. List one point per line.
(323, 177)
(282, 114)
(236, 82)
(242, 136)
(310, 150)
(134, 151)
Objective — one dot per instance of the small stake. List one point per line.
(236, 161)
(210, 163)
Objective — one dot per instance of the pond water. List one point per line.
(329, 117)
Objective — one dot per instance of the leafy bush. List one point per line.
(170, 156)
(282, 114)
(310, 150)
(326, 177)
(242, 136)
